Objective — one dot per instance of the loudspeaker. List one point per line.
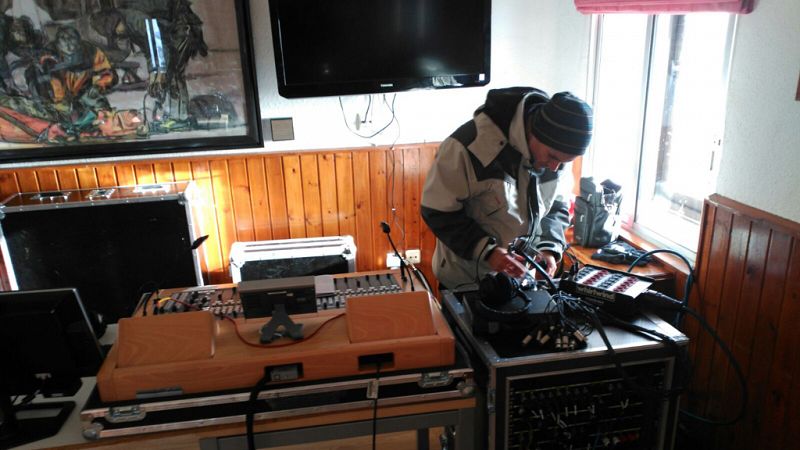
(111, 249)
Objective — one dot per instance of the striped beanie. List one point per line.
(563, 123)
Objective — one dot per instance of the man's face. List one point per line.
(545, 157)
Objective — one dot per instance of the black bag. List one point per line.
(597, 213)
(619, 252)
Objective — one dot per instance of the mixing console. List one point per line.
(223, 300)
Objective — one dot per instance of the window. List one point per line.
(660, 84)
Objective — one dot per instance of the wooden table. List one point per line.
(452, 406)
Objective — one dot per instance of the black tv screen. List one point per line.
(345, 47)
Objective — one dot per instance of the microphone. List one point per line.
(386, 229)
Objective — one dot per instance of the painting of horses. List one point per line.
(89, 78)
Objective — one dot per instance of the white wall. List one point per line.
(539, 43)
(761, 155)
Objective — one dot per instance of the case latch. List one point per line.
(121, 414)
(435, 379)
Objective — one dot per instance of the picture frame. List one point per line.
(82, 79)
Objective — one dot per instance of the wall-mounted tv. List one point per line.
(346, 47)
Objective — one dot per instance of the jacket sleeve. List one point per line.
(443, 196)
(554, 224)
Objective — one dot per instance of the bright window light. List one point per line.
(660, 84)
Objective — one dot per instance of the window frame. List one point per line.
(633, 224)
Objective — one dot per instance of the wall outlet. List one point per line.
(392, 261)
(413, 256)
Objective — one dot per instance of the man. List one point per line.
(501, 176)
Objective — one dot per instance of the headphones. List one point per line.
(498, 288)
(500, 298)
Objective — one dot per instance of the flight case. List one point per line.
(283, 258)
(292, 400)
(111, 243)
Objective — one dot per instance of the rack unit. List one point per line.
(574, 399)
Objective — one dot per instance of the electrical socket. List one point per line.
(392, 261)
(413, 256)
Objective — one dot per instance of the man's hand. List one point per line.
(549, 259)
(502, 261)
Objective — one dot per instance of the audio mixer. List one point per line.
(223, 300)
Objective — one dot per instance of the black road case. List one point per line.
(292, 400)
(109, 243)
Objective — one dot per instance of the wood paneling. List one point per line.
(748, 289)
(277, 196)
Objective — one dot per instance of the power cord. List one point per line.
(252, 403)
(392, 120)
(659, 300)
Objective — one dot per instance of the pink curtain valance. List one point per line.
(663, 6)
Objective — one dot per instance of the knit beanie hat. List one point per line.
(563, 123)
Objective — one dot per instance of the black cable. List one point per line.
(736, 368)
(612, 353)
(689, 278)
(366, 113)
(681, 354)
(142, 305)
(568, 252)
(422, 278)
(536, 266)
(683, 306)
(403, 268)
(252, 403)
(667, 302)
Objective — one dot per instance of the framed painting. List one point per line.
(89, 78)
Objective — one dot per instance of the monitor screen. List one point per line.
(46, 342)
(342, 47)
(46, 346)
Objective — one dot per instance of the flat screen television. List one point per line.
(347, 47)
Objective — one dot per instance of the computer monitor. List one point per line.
(46, 346)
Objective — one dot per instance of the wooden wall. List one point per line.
(277, 196)
(748, 289)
